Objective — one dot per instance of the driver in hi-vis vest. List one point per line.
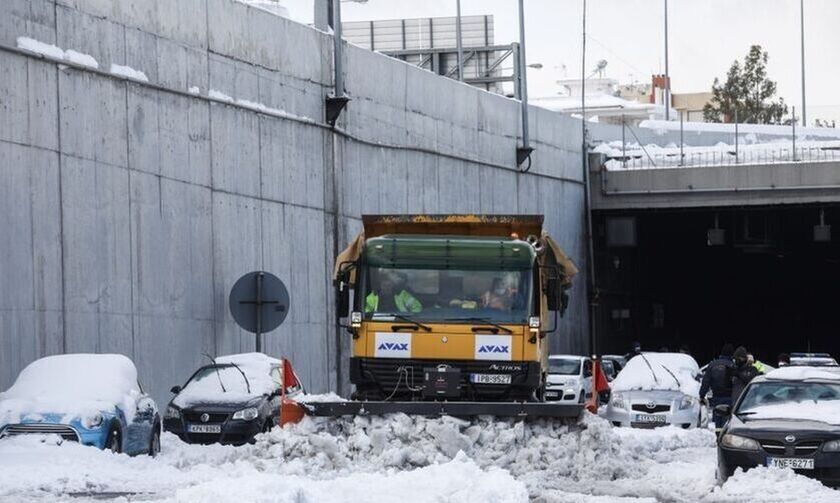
(392, 297)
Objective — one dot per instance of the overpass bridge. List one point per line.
(720, 252)
(724, 185)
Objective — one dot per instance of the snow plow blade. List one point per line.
(456, 409)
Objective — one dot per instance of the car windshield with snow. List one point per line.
(569, 378)
(91, 399)
(789, 418)
(656, 389)
(230, 400)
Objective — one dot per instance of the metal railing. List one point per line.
(794, 148)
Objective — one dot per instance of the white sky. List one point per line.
(705, 36)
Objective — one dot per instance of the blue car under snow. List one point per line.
(91, 399)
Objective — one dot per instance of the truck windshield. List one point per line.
(451, 295)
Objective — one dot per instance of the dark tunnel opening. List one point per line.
(766, 279)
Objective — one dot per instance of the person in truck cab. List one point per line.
(498, 297)
(392, 297)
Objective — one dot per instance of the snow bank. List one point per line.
(650, 371)
(402, 458)
(128, 72)
(227, 385)
(460, 480)
(74, 385)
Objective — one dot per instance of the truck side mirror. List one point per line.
(342, 290)
(554, 294)
(175, 389)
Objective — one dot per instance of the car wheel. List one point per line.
(114, 443)
(154, 444)
(582, 398)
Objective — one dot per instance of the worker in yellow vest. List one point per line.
(392, 297)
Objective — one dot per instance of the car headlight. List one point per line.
(739, 442)
(687, 403)
(91, 422)
(617, 401)
(172, 413)
(246, 414)
(832, 446)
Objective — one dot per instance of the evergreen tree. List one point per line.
(748, 91)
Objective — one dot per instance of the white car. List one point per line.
(657, 389)
(569, 378)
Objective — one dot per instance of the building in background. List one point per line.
(604, 102)
(431, 43)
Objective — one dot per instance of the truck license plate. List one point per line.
(490, 378)
(649, 418)
(204, 428)
(795, 463)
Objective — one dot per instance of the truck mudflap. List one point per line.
(435, 409)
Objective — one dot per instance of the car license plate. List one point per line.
(204, 428)
(490, 378)
(795, 463)
(552, 394)
(649, 418)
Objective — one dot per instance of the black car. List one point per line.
(789, 418)
(230, 400)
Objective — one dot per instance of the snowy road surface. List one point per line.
(404, 459)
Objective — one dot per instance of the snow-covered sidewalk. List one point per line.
(404, 459)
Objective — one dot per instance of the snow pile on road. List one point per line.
(659, 371)
(402, 458)
(75, 385)
(226, 384)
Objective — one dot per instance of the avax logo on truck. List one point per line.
(491, 348)
(393, 346)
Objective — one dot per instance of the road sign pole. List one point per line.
(259, 311)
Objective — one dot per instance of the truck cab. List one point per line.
(451, 307)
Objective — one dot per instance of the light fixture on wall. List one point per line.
(822, 232)
(716, 236)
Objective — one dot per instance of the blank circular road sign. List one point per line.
(259, 302)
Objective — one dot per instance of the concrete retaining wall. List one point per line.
(127, 209)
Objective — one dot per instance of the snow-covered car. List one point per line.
(569, 378)
(231, 400)
(788, 418)
(656, 389)
(88, 398)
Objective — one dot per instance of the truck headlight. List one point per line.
(738, 442)
(246, 414)
(91, 422)
(831, 446)
(686, 403)
(172, 413)
(617, 401)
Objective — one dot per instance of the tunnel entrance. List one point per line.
(765, 278)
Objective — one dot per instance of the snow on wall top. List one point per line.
(650, 372)
(73, 385)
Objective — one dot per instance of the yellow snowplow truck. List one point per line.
(451, 314)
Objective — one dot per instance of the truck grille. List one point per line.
(64, 431)
(386, 373)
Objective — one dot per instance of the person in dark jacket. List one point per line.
(635, 349)
(743, 373)
(718, 380)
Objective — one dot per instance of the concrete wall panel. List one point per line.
(134, 209)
